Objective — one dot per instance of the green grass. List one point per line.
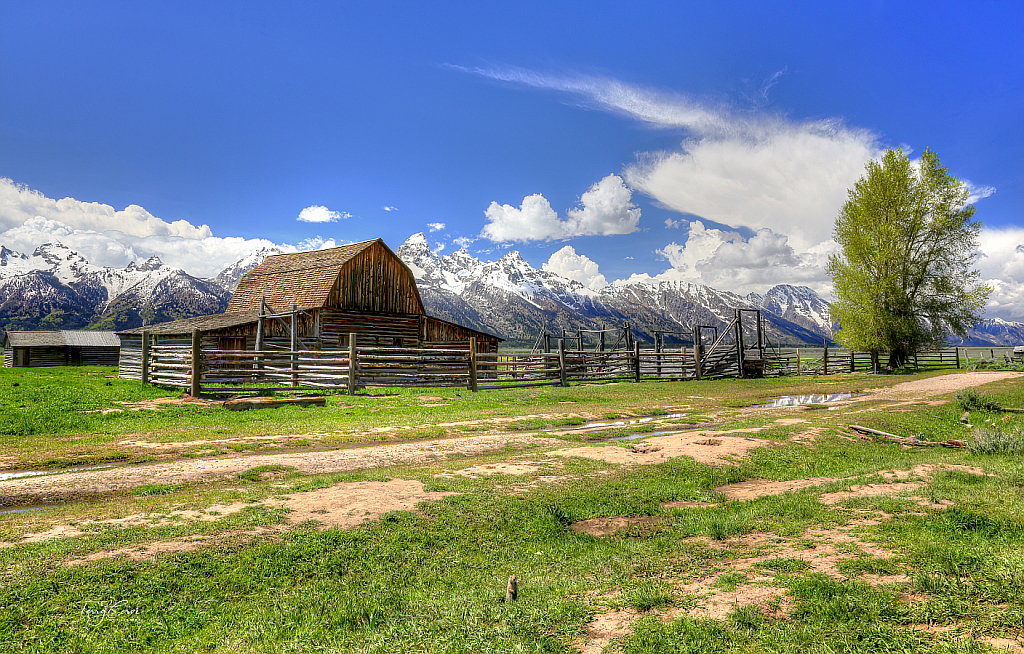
(434, 579)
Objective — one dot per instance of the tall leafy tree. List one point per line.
(905, 277)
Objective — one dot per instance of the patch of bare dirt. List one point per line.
(343, 505)
(717, 606)
(607, 626)
(1002, 644)
(142, 552)
(688, 505)
(156, 403)
(176, 445)
(722, 449)
(755, 488)
(514, 468)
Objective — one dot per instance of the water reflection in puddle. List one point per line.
(4, 476)
(27, 508)
(801, 400)
(618, 423)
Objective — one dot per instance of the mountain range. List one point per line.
(55, 288)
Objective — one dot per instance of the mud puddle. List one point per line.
(27, 508)
(803, 400)
(593, 426)
(18, 474)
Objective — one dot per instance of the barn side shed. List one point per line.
(363, 289)
(60, 348)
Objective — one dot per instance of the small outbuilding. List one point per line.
(313, 301)
(60, 348)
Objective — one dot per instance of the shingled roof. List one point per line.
(376, 280)
(301, 278)
(202, 323)
(62, 338)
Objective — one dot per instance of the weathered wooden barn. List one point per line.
(60, 348)
(362, 289)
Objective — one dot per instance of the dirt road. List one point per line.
(63, 486)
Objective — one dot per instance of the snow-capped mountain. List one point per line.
(56, 288)
(511, 298)
(229, 277)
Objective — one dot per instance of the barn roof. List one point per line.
(301, 278)
(62, 338)
(202, 323)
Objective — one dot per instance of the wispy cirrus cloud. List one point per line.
(739, 168)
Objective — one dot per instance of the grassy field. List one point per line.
(937, 567)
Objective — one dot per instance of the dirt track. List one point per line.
(63, 486)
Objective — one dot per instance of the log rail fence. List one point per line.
(234, 372)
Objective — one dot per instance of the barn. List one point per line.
(314, 300)
(60, 348)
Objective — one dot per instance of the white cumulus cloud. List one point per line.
(109, 237)
(18, 203)
(319, 214)
(567, 263)
(435, 227)
(605, 208)
(726, 260)
(1001, 263)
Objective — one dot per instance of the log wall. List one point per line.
(375, 281)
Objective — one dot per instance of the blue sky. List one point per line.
(684, 141)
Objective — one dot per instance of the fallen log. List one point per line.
(909, 441)
(246, 403)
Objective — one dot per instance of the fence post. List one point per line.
(958, 358)
(353, 365)
(739, 343)
(295, 346)
(696, 351)
(194, 384)
(824, 362)
(852, 366)
(145, 358)
(562, 377)
(636, 359)
(260, 324)
(798, 361)
(657, 351)
(472, 363)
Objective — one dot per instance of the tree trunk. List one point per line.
(897, 358)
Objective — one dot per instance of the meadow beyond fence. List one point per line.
(460, 364)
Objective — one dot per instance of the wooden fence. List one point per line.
(234, 372)
(835, 360)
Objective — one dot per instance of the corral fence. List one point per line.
(213, 372)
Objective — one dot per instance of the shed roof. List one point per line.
(301, 278)
(62, 338)
(202, 323)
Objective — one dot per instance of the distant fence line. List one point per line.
(235, 372)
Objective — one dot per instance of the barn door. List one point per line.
(21, 357)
